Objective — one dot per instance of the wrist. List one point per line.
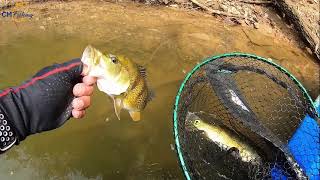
(8, 135)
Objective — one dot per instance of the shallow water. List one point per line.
(96, 148)
(92, 147)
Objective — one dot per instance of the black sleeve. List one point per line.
(42, 103)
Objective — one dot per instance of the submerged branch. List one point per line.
(256, 2)
(155, 52)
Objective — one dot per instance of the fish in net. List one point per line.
(234, 117)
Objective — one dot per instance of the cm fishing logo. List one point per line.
(13, 13)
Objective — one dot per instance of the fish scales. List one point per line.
(138, 93)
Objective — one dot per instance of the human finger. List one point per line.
(82, 89)
(89, 80)
(81, 103)
(78, 114)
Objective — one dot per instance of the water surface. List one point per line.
(96, 148)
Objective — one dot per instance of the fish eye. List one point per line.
(114, 59)
(196, 122)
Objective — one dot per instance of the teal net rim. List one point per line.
(212, 58)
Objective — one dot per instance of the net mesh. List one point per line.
(236, 116)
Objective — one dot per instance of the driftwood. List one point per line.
(300, 24)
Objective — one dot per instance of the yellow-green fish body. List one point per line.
(121, 79)
(224, 138)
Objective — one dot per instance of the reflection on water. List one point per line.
(24, 166)
(93, 148)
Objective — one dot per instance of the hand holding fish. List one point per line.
(58, 92)
(82, 91)
(46, 101)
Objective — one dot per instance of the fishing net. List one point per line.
(240, 116)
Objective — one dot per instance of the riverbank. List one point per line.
(157, 32)
(258, 14)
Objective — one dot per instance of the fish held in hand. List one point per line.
(119, 77)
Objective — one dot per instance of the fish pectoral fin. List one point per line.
(135, 115)
(117, 106)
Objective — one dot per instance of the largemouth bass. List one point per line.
(224, 138)
(120, 78)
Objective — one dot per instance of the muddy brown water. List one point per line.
(167, 42)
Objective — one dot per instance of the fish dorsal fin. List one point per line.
(142, 71)
(118, 105)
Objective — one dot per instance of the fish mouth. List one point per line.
(87, 52)
(91, 59)
(86, 58)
